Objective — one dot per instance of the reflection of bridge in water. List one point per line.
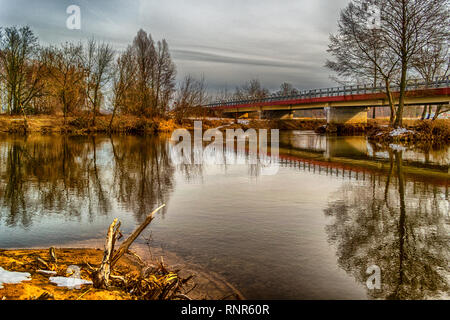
(358, 147)
(363, 171)
(346, 157)
(329, 146)
(356, 158)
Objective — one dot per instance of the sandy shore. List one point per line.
(204, 284)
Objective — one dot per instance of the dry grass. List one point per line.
(435, 132)
(82, 124)
(428, 132)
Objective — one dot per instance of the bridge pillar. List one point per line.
(259, 113)
(346, 115)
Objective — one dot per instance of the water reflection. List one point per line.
(266, 234)
(43, 175)
(142, 173)
(397, 226)
(359, 148)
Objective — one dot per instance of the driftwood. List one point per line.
(52, 254)
(101, 276)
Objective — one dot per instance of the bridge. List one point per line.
(348, 104)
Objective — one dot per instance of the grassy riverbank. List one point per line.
(80, 125)
(415, 131)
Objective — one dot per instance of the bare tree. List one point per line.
(223, 95)
(431, 63)
(145, 56)
(408, 25)
(360, 51)
(155, 76)
(286, 89)
(191, 95)
(405, 26)
(65, 68)
(123, 81)
(164, 78)
(98, 63)
(251, 90)
(23, 68)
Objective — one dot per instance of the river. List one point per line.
(335, 207)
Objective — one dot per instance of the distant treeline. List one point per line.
(77, 78)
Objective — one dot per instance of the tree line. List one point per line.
(81, 78)
(410, 40)
(253, 89)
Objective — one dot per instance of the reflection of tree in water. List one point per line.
(143, 173)
(400, 227)
(37, 175)
(13, 193)
(66, 175)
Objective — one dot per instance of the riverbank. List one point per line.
(114, 273)
(420, 133)
(81, 125)
(40, 284)
(414, 131)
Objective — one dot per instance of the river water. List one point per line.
(334, 207)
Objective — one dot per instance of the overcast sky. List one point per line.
(227, 41)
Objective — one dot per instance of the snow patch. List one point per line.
(397, 147)
(69, 282)
(399, 132)
(13, 277)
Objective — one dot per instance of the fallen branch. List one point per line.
(101, 276)
(127, 243)
(139, 259)
(43, 262)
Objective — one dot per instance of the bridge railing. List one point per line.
(413, 84)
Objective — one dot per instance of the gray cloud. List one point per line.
(190, 55)
(228, 41)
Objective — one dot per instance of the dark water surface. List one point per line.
(335, 207)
